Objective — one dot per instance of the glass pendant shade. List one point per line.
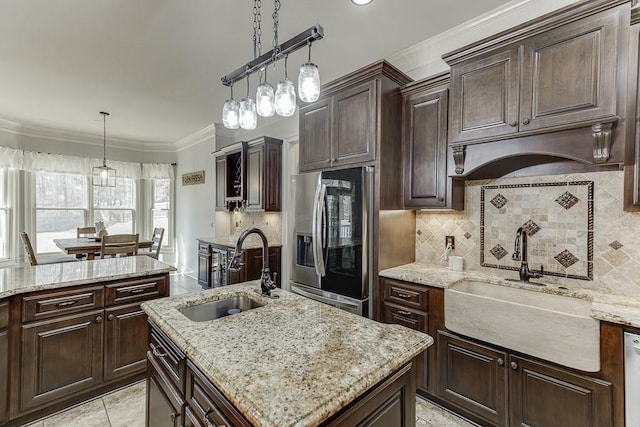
(104, 176)
(285, 98)
(248, 114)
(265, 100)
(309, 82)
(231, 114)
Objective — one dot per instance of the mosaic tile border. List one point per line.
(590, 221)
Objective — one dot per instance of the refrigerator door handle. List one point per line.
(324, 299)
(314, 228)
(320, 243)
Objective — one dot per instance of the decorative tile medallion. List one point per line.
(567, 200)
(566, 258)
(616, 245)
(530, 227)
(467, 235)
(499, 201)
(558, 218)
(498, 251)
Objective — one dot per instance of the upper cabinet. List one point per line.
(249, 174)
(424, 147)
(560, 72)
(343, 128)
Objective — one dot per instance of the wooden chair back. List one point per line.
(84, 231)
(154, 250)
(119, 244)
(28, 248)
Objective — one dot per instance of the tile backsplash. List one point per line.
(269, 222)
(576, 224)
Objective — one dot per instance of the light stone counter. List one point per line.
(293, 362)
(605, 305)
(231, 242)
(19, 280)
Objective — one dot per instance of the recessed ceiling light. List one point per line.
(361, 2)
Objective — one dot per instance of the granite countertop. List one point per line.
(294, 361)
(230, 242)
(605, 305)
(18, 280)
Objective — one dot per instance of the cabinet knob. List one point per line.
(98, 319)
(500, 361)
(513, 124)
(441, 199)
(111, 317)
(514, 365)
(526, 121)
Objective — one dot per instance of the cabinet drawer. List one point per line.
(136, 290)
(405, 316)
(203, 248)
(4, 314)
(208, 403)
(167, 356)
(60, 303)
(407, 294)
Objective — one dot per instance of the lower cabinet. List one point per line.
(125, 341)
(506, 389)
(4, 360)
(164, 403)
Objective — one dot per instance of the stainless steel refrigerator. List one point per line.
(332, 254)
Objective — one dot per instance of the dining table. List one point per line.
(90, 246)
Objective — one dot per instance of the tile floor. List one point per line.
(126, 407)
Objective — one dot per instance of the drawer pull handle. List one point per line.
(404, 312)
(404, 295)
(157, 352)
(137, 291)
(66, 303)
(500, 361)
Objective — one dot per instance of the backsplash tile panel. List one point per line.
(610, 267)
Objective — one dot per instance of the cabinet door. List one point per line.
(353, 125)
(424, 146)
(221, 183)
(60, 357)
(4, 375)
(125, 341)
(473, 377)
(484, 97)
(164, 403)
(254, 264)
(569, 74)
(273, 177)
(204, 265)
(542, 395)
(315, 136)
(255, 177)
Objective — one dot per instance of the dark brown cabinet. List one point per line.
(424, 147)
(125, 338)
(558, 78)
(632, 166)
(165, 404)
(221, 183)
(264, 168)
(4, 360)
(506, 389)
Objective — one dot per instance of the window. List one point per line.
(115, 206)
(4, 217)
(60, 208)
(162, 207)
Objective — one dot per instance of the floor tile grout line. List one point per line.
(106, 411)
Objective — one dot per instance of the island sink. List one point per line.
(219, 308)
(556, 328)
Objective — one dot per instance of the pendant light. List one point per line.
(231, 113)
(104, 176)
(285, 95)
(248, 113)
(265, 98)
(309, 80)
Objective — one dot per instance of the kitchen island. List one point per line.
(291, 362)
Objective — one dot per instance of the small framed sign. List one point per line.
(193, 178)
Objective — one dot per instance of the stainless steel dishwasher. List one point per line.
(632, 379)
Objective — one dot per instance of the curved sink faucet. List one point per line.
(525, 273)
(266, 284)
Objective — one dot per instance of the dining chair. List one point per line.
(85, 232)
(154, 250)
(32, 255)
(119, 244)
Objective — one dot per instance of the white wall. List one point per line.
(195, 204)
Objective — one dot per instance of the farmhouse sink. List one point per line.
(552, 327)
(219, 308)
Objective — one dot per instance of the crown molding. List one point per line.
(424, 59)
(44, 132)
(195, 138)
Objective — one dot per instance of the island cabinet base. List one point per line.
(193, 400)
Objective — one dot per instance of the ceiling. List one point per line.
(155, 65)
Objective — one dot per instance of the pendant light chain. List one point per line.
(104, 139)
(276, 47)
(257, 28)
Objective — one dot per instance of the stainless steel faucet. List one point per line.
(525, 273)
(266, 284)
